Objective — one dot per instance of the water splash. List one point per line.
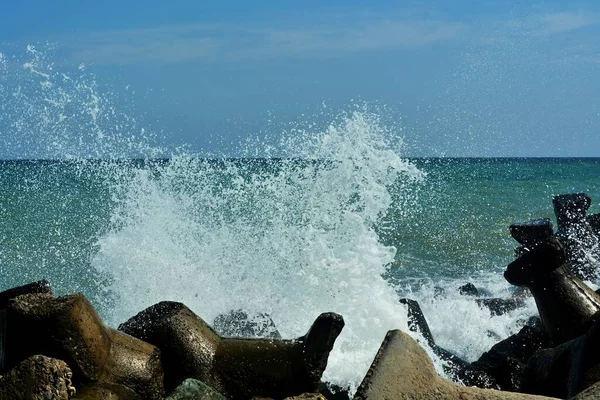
(291, 237)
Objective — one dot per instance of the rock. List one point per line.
(438, 292)
(136, 365)
(507, 359)
(570, 207)
(38, 378)
(402, 370)
(106, 391)
(69, 328)
(334, 392)
(417, 322)
(237, 368)
(532, 232)
(31, 288)
(237, 323)
(307, 396)
(499, 368)
(575, 232)
(565, 304)
(498, 306)
(193, 389)
(566, 370)
(468, 289)
(591, 393)
(594, 221)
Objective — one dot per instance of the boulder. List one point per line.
(402, 370)
(576, 233)
(193, 389)
(38, 378)
(135, 364)
(468, 289)
(106, 391)
(69, 328)
(565, 304)
(31, 288)
(591, 393)
(507, 359)
(499, 368)
(499, 306)
(237, 368)
(532, 232)
(334, 392)
(594, 221)
(237, 323)
(566, 370)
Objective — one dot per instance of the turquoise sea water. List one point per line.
(132, 233)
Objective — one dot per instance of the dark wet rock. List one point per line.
(532, 232)
(454, 366)
(499, 368)
(237, 368)
(193, 389)
(402, 370)
(106, 391)
(237, 323)
(136, 365)
(507, 359)
(499, 306)
(307, 396)
(438, 292)
(417, 322)
(565, 304)
(566, 370)
(38, 378)
(575, 232)
(594, 221)
(31, 288)
(68, 328)
(468, 289)
(334, 392)
(570, 208)
(591, 393)
(38, 287)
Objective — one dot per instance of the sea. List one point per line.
(341, 219)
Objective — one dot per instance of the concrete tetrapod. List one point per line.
(68, 328)
(576, 233)
(402, 370)
(237, 368)
(566, 370)
(565, 304)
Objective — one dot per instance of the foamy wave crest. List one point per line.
(292, 237)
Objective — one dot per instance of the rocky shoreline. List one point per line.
(59, 348)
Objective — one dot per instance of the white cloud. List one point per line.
(182, 43)
(549, 24)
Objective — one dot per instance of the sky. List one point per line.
(456, 78)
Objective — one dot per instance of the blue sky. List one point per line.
(461, 78)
